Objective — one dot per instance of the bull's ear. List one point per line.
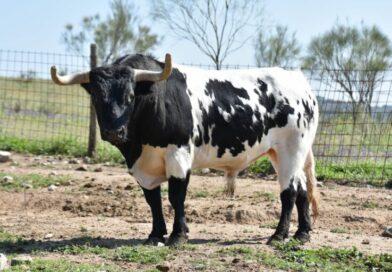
(145, 75)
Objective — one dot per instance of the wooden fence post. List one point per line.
(92, 135)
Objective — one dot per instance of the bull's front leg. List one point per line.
(177, 194)
(153, 198)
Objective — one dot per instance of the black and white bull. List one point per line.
(168, 120)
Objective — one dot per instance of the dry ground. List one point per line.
(105, 206)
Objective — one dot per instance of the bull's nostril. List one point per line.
(121, 132)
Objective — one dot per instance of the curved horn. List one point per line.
(77, 78)
(145, 75)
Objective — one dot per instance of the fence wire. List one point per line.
(355, 143)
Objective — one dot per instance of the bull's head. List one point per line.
(112, 92)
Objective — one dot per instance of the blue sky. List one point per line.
(36, 25)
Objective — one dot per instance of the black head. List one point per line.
(112, 92)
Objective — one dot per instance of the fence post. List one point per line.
(92, 134)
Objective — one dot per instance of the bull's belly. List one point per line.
(205, 156)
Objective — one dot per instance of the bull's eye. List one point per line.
(129, 98)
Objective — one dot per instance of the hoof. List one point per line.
(302, 236)
(153, 241)
(177, 239)
(276, 238)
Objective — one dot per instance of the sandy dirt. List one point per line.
(106, 203)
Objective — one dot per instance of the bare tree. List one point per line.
(214, 26)
(119, 33)
(355, 58)
(279, 48)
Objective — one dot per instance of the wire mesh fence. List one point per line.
(355, 129)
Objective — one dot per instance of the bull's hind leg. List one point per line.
(290, 161)
(153, 198)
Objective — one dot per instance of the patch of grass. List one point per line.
(290, 256)
(270, 225)
(141, 254)
(7, 240)
(60, 146)
(201, 194)
(330, 259)
(268, 196)
(368, 204)
(261, 166)
(376, 174)
(339, 230)
(35, 180)
(61, 265)
(134, 254)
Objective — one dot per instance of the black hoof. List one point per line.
(153, 241)
(302, 236)
(276, 238)
(177, 239)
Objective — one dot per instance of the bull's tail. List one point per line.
(311, 184)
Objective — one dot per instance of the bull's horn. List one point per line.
(145, 75)
(77, 78)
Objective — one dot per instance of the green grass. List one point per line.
(376, 174)
(134, 254)
(339, 230)
(358, 172)
(62, 265)
(201, 194)
(289, 256)
(36, 180)
(65, 146)
(268, 196)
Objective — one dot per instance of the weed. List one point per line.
(268, 196)
(339, 230)
(201, 194)
(61, 265)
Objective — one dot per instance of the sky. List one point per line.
(36, 25)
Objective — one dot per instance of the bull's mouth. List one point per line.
(116, 137)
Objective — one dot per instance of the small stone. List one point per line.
(129, 187)
(52, 187)
(48, 236)
(27, 185)
(87, 160)
(67, 183)
(74, 161)
(53, 173)
(98, 169)
(236, 260)
(21, 259)
(205, 171)
(110, 192)
(365, 241)
(3, 262)
(163, 267)
(387, 232)
(5, 156)
(88, 185)
(81, 168)
(7, 180)
(160, 244)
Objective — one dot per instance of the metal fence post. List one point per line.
(92, 135)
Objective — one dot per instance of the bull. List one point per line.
(167, 120)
